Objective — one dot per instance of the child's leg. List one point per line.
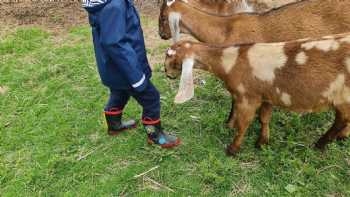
(149, 99)
(117, 99)
(114, 110)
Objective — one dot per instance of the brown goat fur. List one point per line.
(301, 76)
(226, 7)
(310, 18)
(230, 7)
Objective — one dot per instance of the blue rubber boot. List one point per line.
(156, 135)
(115, 123)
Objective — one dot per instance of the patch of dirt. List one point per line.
(148, 7)
(55, 14)
(52, 14)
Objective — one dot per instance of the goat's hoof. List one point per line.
(230, 125)
(320, 145)
(231, 151)
(342, 137)
(261, 142)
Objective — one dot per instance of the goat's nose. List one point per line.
(161, 34)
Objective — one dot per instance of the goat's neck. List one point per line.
(200, 25)
(192, 22)
(209, 59)
(217, 8)
(215, 29)
(222, 7)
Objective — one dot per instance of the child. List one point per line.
(123, 67)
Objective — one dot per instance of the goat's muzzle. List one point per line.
(164, 36)
(169, 75)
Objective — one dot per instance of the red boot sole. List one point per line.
(172, 145)
(115, 133)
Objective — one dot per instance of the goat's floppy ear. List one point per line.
(174, 23)
(186, 87)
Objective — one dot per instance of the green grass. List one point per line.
(53, 138)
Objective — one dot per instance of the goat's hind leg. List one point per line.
(338, 128)
(231, 119)
(345, 132)
(264, 118)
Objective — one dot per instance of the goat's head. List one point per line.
(175, 56)
(180, 59)
(169, 21)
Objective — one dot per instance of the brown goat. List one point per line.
(230, 7)
(301, 76)
(224, 7)
(311, 18)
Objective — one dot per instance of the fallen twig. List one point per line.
(81, 157)
(142, 174)
(294, 143)
(327, 167)
(158, 184)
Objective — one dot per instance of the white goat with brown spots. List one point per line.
(302, 76)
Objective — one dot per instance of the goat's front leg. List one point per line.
(264, 118)
(244, 114)
(345, 133)
(231, 119)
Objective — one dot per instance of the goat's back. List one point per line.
(300, 75)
